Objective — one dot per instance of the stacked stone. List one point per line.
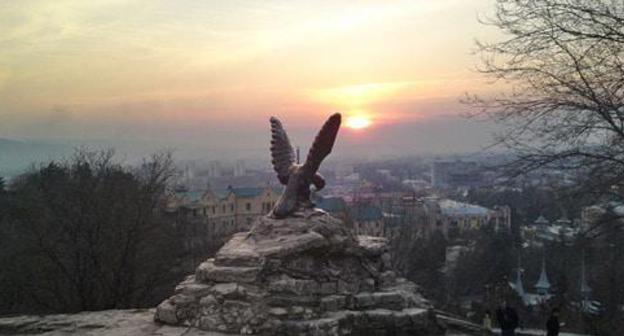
(303, 275)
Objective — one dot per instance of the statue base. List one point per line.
(302, 275)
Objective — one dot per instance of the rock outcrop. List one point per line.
(303, 275)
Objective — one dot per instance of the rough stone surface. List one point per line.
(302, 275)
(135, 322)
(139, 322)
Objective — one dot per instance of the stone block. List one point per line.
(402, 319)
(246, 330)
(363, 301)
(279, 312)
(368, 285)
(333, 303)
(185, 306)
(192, 289)
(372, 246)
(296, 312)
(387, 279)
(231, 291)
(389, 300)
(210, 322)
(252, 292)
(308, 313)
(208, 271)
(286, 284)
(236, 305)
(182, 300)
(283, 246)
(418, 316)
(380, 318)
(328, 288)
(166, 313)
(348, 287)
(296, 300)
(239, 251)
(208, 301)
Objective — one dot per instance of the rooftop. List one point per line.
(191, 196)
(243, 192)
(454, 208)
(541, 220)
(542, 282)
(246, 192)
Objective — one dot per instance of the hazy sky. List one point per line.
(206, 75)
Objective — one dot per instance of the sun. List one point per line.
(357, 122)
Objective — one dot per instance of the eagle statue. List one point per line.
(298, 177)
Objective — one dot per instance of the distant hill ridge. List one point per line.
(17, 154)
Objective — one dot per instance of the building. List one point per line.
(452, 174)
(416, 185)
(542, 230)
(543, 285)
(364, 218)
(393, 214)
(221, 214)
(597, 219)
(422, 215)
(459, 217)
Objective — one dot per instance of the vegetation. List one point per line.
(86, 234)
(564, 62)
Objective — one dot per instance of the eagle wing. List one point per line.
(323, 144)
(282, 151)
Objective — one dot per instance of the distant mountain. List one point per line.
(17, 155)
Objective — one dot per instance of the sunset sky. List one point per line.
(205, 76)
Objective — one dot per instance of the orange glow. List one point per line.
(358, 122)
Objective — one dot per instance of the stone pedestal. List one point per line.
(305, 275)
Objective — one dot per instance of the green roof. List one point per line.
(193, 196)
(243, 192)
(248, 192)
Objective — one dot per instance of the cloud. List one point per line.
(200, 74)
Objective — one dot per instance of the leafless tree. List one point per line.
(86, 234)
(563, 64)
(561, 67)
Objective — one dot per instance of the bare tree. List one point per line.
(563, 62)
(86, 234)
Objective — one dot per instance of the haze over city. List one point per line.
(312, 168)
(204, 77)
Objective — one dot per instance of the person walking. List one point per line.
(507, 318)
(553, 325)
(487, 323)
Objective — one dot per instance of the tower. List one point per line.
(518, 286)
(543, 285)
